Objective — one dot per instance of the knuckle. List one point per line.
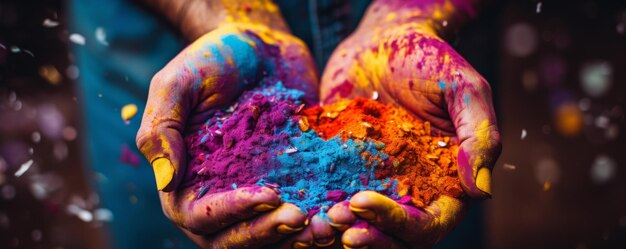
(142, 138)
(163, 77)
(195, 227)
(496, 143)
(239, 196)
(147, 137)
(168, 214)
(482, 85)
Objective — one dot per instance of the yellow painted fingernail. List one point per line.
(347, 247)
(301, 245)
(163, 172)
(329, 243)
(264, 207)
(284, 229)
(129, 111)
(364, 213)
(483, 180)
(340, 227)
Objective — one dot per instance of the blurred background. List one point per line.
(558, 72)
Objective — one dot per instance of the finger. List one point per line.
(363, 235)
(160, 135)
(213, 212)
(263, 230)
(471, 110)
(318, 233)
(301, 240)
(323, 233)
(407, 222)
(340, 216)
(206, 74)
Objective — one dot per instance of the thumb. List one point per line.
(160, 135)
(206, 74)
(471, 110)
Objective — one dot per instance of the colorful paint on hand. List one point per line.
(318, 156)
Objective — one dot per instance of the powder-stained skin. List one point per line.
(344, 148)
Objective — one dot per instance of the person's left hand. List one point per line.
(407, 64)
(372, 220)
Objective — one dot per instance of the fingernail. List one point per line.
(163, 172)
(301, 245)
(340, 227)
(325, 242)
(483, 180)
(284, 229)
(347, 247)
(264, 207)
(364, 213)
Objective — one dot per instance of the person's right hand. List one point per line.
(209, 73)
(397, 56)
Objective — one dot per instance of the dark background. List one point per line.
(558, 73)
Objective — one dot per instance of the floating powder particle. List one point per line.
(23, 168)
(128, 111)
(77, 39)
(127, 156)
(49, 23)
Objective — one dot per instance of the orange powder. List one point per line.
(425, 166)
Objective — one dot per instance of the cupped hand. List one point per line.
(209, 73)
(409, 65)
(372, 220)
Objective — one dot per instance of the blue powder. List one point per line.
(442, 85)
(279, 91)
(319, 166)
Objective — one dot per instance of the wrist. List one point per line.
(202, 16)
(440, 16)
(194, 18)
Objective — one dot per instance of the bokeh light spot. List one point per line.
(547, 171)
(603, 169)
(596, 78)
(521, 39)
(568, 119)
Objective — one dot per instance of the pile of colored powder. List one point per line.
(425, 166)
(318, 156)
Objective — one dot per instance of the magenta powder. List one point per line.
(237, 145)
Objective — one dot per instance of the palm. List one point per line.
(406, 65)
(220, 66)
(208, 74)
(410, 66)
